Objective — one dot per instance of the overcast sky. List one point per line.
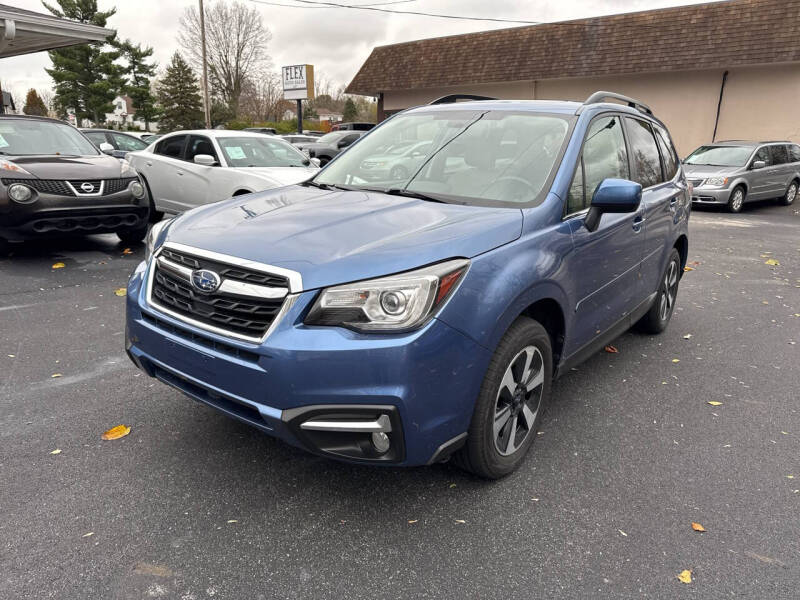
(335, 40)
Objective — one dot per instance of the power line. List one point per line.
(375, 7)
(268, 3)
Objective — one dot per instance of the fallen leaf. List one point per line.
(452, 485)
(116, 432)
(155, 570)
(120, 291)
(685, 576)
(461, 521)
(58, 265)
(90, 534)
(54, 375)
(411, 521)
(56, 451)
(611, 349)
(676, 360)
(712, 403)
(11, 355)
(771, 262)
(688, 269)
(790, 477)
(688, 336)
(698, 527)
(232, 521)
(783, 432)
(622, 532)
(127, 251)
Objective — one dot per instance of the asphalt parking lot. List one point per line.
(193, 505)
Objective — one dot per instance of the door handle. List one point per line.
(637, 223)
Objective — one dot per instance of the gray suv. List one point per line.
(732, 173)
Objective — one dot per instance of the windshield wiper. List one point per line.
(312, 183)
(409, 194)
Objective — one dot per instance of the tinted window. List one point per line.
(764, 154)
(604, 156)
(96, 137)
(128, 142)
(668, 156)
(171, 146)
(200, 145)
(794, 153)
(644, 152)
(779, 155)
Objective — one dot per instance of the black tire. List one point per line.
(155, 215)
(790, 195)
(5, 247)
(657, 318)
(736, 199)
(398, 172)
(482, 454)
(132, 236)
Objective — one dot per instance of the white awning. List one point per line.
(24, 31)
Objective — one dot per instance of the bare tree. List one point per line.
(261, 97)
(236, 44)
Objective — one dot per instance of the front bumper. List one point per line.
(710, 195)
(425, 381)
(52, 214)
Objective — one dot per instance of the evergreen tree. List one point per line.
(139, 71)
(179, 96)
(34, 105)
(86, 78)
(350, 111)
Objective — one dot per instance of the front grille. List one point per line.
(243, 315)
(60, 188)
(79, 185)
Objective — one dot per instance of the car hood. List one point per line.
(312, 146)
(709, 171)
(333, 237)
(279, 175)
(70, 167)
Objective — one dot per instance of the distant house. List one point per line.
(124, 115)
(331, 117)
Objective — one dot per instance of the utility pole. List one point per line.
(206, 102)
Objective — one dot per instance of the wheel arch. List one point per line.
(682, 246)
(241, 192)
(548, 313)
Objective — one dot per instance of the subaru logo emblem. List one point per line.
(87, 187)
(205, 281)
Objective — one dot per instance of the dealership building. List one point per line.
(720, 70)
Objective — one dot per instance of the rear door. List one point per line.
(656, 168)
(605, 263)
(161, 171)
(782, 169)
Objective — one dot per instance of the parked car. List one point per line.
(736, 172)
(267, 130)
(313, 132)
(185, 169)
(353, 126)
(399, 322)
(329, 145)
(397, 161)
(54, 181)
(114, 143)
(299, 139)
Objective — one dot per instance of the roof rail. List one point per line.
(456, 97)
(601, 96)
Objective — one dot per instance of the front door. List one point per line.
(761, 180)
(196, 186)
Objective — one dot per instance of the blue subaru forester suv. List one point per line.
(405, 320)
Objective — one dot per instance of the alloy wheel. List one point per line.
(669, 290)
(791, 193)
(518, 400)
(737, 200)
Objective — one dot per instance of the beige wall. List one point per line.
(759, 102)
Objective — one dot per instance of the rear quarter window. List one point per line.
(644, 153)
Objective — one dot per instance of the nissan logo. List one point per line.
(87, 187)
(205, 281)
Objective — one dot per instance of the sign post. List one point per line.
(298, 84)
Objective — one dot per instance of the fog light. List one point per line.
(137, 189)
(381, 442)
(19, 193)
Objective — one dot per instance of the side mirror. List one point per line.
(205, 159)
(316, 162)
(758, 164)
(106, 148)
(613, 196)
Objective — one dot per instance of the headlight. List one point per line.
(137, 189)
(20, 193)
(717, 181)
(395, 303)
(152, 238)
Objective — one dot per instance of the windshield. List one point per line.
(331, 138)
(458, 156)
(720, 156)
(259, 151)
(20, 137)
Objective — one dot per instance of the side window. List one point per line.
(349, 139)
(96, 137)
(171, 146)
(794, 153)
(764, 154)
(779, 155)
(604, 156)
(644, 152)
(127, 142)
(668, 155)
(200, 145)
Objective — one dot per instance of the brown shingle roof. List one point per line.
(704, 36)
